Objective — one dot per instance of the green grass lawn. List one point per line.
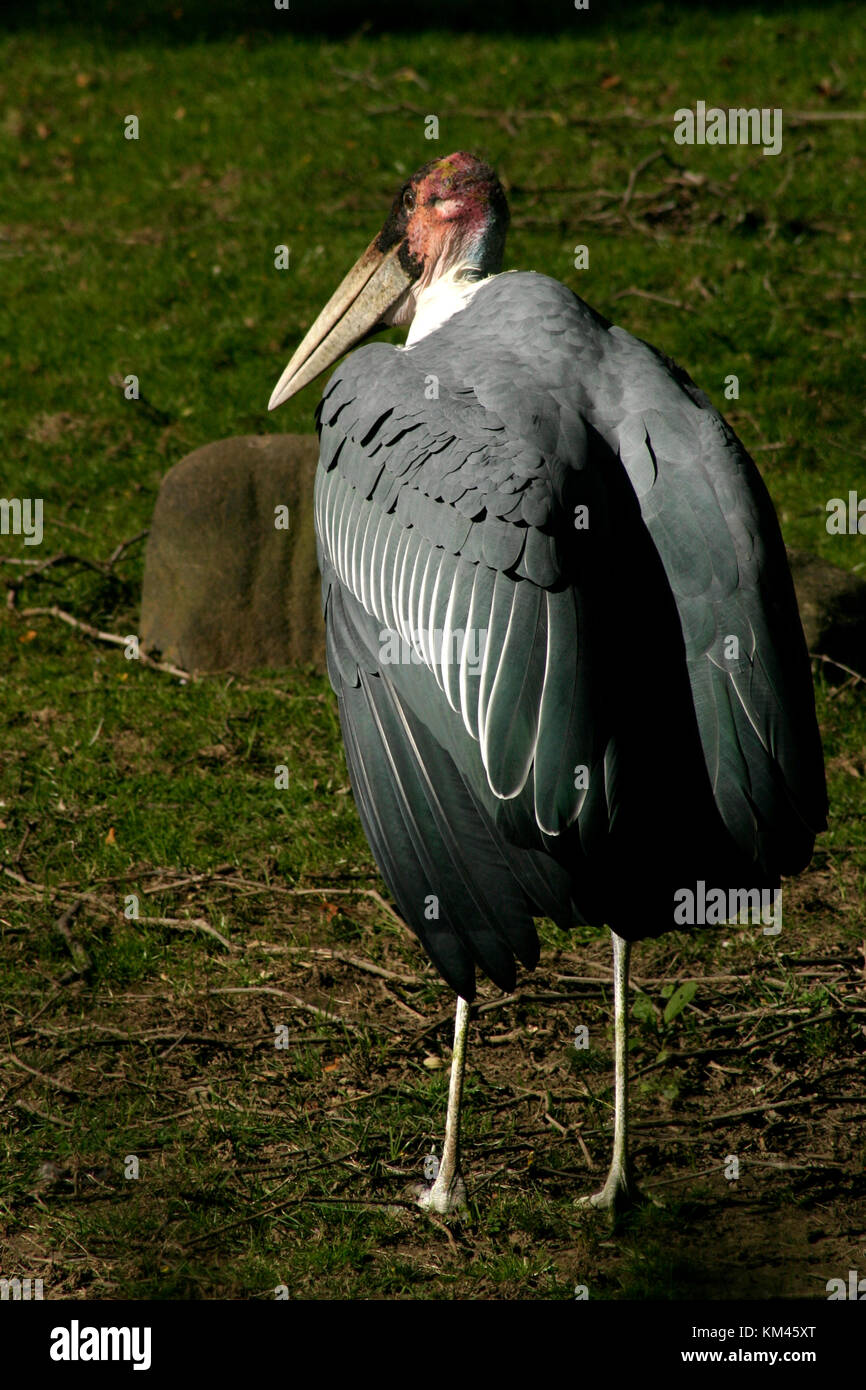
(155, 257)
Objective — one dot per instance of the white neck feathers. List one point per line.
(448, 294)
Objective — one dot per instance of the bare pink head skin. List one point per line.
(451, 213)
(449, 218)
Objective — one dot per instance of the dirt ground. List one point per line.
(764, 1065)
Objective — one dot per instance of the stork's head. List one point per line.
(449, 218)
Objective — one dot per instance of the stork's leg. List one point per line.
(620, 1190)
(448, 1192)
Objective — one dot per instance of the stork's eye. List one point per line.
(409, 200)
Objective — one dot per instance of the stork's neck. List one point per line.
(448, 294)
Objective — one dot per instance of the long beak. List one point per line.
(373, 286)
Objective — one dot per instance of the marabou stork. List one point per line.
(560, 622)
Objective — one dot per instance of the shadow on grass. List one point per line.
(189, 21)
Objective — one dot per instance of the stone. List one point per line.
(225, 588)
(832, 603)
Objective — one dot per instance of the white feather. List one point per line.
(398, 597)
(448, 294)
(415, 616)
(451, 668)
(426, 617)
(386, 572)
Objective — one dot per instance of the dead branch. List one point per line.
(856, 676)
(90, 631)
(658, 298)
(10, 1057)
(635, 175)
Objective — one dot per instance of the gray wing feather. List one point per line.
(511, 686)
(453, 519)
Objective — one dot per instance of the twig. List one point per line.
(186, 924)
(499, 1039)
(432, 1027)
(146, 1039)
(293, 999)
(171, 885)
(754, 1110)
(42, 1114)
(401, 1003)
(109, 910)
(31, 825)
(126, 545)
(301, 1201)
(674, 1055)
(635, 174)
(40, 1075)
(39, 888)
(347, 893)
(499, 1003)
(355, 1100)
(318, 892)
(658, 298)
(822, 960)
(142, 872)
(42, 566)
(386, 907)
(326, 953)
(374, 83)
(807, 117)
(584, 1149)
(79, 956)
(689, 1177)
(822, 1017)
(555, 1123)
(35, 568)
(856, 676)
(90, 631)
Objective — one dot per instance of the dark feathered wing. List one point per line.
(561, 628)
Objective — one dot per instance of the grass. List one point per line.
(259, 1165)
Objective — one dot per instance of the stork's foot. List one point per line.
(615, 1197)
(445, 1196)
(619, 1195)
